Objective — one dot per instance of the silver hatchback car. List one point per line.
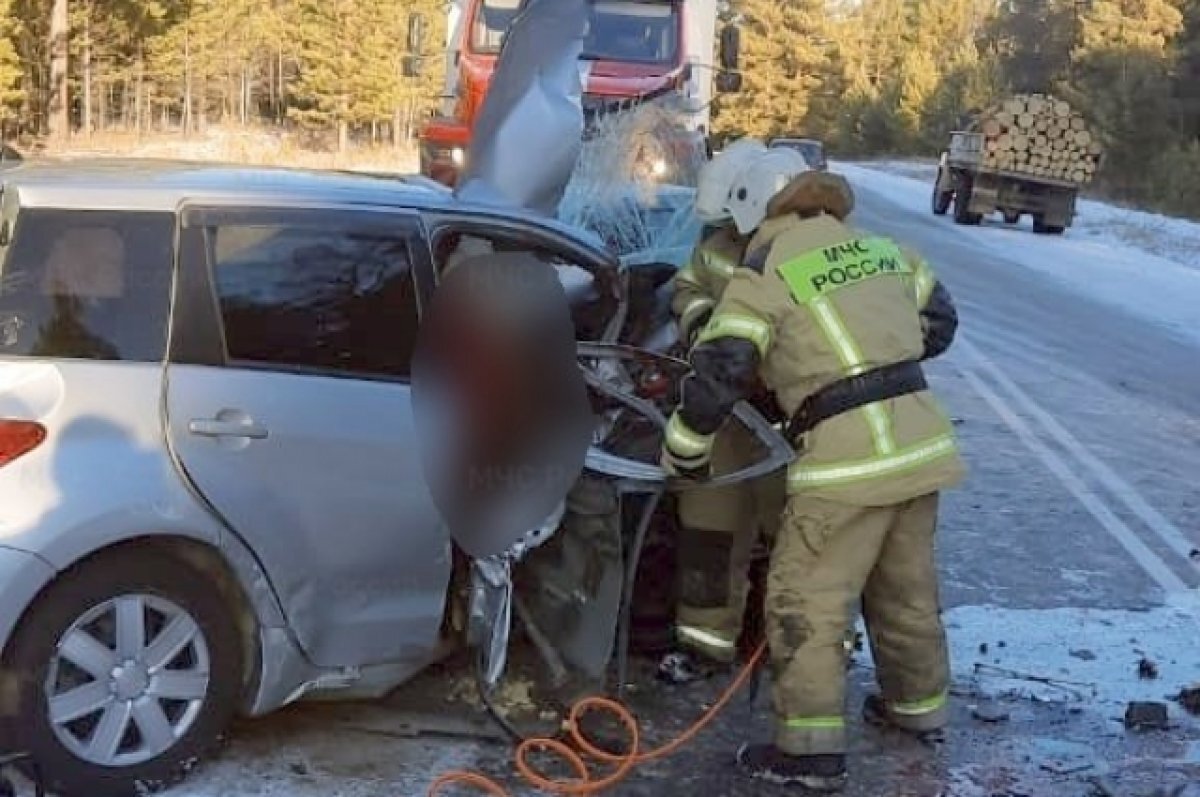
(210, 500)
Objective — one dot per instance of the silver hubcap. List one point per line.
(127, 680)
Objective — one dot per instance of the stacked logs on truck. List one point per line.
(1039, 135)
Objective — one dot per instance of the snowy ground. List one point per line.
(1138, 260)
(1172, 238)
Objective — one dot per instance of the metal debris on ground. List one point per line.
(990, 713)
(1066, 767)
(1147, 670)
(1072, 688)
(1146, 716)
(1189, 698)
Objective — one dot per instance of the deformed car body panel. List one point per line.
(529, 133)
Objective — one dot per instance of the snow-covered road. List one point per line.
(1070, 554)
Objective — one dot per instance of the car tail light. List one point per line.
(18, 438)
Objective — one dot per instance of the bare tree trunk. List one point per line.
(59, 117)
(140, 88)
(88, 125)
(187, 79)
(245, 95)
(397, 116)
(202, 103)
(281, 87)
(103, 100)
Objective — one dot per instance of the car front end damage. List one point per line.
(572, 580)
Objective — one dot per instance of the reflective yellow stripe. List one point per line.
(832, 723)
(702, 637)
(682, 440)
(854, 362)
(923, 283)
(745, 327)
(839, 337)
(906, 459)
(919, 707)
(717, 263)
(694, 307)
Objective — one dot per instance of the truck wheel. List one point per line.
(962, 204)
(1042, 228)
(1011, 218)
(941, 199)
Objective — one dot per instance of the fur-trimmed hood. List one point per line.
(811, 194)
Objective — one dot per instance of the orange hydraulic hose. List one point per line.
(584, 783)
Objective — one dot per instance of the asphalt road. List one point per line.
(1080, 423)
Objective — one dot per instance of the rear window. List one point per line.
(90, 285)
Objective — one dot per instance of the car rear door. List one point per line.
(289, 409)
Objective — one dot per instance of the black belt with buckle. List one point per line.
(878, 384)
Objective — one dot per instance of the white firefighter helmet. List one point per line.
(753, 187)
(712, 188)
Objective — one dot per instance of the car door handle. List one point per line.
(215, 428)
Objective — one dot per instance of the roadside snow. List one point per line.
(1090, 656)
(1146, 263)
(1172, 238)
(918, 169)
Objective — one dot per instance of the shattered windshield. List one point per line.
(618, 30)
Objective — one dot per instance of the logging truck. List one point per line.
(1029, 155)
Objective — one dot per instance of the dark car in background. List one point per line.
(812, 150)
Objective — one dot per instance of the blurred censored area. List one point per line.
(501, 410)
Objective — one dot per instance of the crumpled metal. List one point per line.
(490, 618)
(529, 133)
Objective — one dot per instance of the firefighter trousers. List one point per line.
(827, 558)
(719, 530)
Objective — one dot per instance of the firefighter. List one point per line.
(836, 323)
(719, 528)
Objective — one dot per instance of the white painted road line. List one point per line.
(1147, 559)
(1167, 531)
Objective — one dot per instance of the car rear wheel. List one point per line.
(129, 671)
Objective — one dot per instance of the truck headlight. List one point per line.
(658, 167)
(458, 156)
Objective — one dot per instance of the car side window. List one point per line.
(86, 284)
(335, 298)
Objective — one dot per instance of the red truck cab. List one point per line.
(632, 48)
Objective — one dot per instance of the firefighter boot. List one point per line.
(877, 713)
(821, 773)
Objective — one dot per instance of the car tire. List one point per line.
(169, 615)
(1011, 218)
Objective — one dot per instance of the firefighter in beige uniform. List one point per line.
(720, 526)
(835, 322)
